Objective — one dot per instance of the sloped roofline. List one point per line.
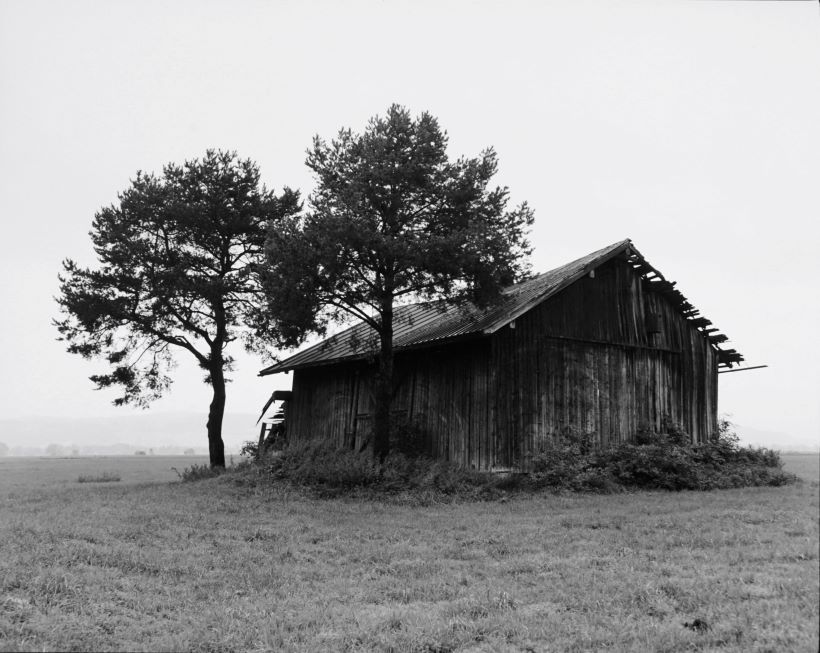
(611, 252)
(522, 297)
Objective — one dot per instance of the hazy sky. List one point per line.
(691, 127)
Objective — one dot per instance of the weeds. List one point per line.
(664, 460)
(205, 471)
(198, 472)
(332, 470)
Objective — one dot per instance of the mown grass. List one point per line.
(221, 566)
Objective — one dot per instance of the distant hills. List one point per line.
(776, 439)
(167, 433)
(174, 433)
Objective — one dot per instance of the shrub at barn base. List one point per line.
(657, 461)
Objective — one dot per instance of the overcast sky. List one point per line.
(692, 128)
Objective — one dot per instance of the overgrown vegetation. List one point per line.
(331, 470)
(255, 450)
(198, 472)
(663, 460)
(201, 472)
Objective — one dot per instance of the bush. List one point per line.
(250, 449)
(660, 461)
(274, 441)
(323, 465)
(558, 467)
(198, 472)
(651, 466)
(667, 461)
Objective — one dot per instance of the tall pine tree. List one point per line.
(178, 257)
(392, 218)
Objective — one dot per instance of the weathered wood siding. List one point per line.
(585, 360)
(445, 391)
(582, 360)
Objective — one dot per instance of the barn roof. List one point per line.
(428, 323)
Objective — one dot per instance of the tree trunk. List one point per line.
(216, 448)
(384, 386)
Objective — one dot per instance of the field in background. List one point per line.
(23, 473)
(212, 566)
(40, 472)
(804, 465)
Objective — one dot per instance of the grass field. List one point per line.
(805, 465)
(214, 566)
(25, 474)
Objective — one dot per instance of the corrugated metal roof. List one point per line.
(418, 324)
(422, 324)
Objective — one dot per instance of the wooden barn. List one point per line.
(604, 345)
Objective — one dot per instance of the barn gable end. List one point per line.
(607, 356)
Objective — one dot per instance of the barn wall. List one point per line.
(445, 391)
(323, 403)
(584, 359)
